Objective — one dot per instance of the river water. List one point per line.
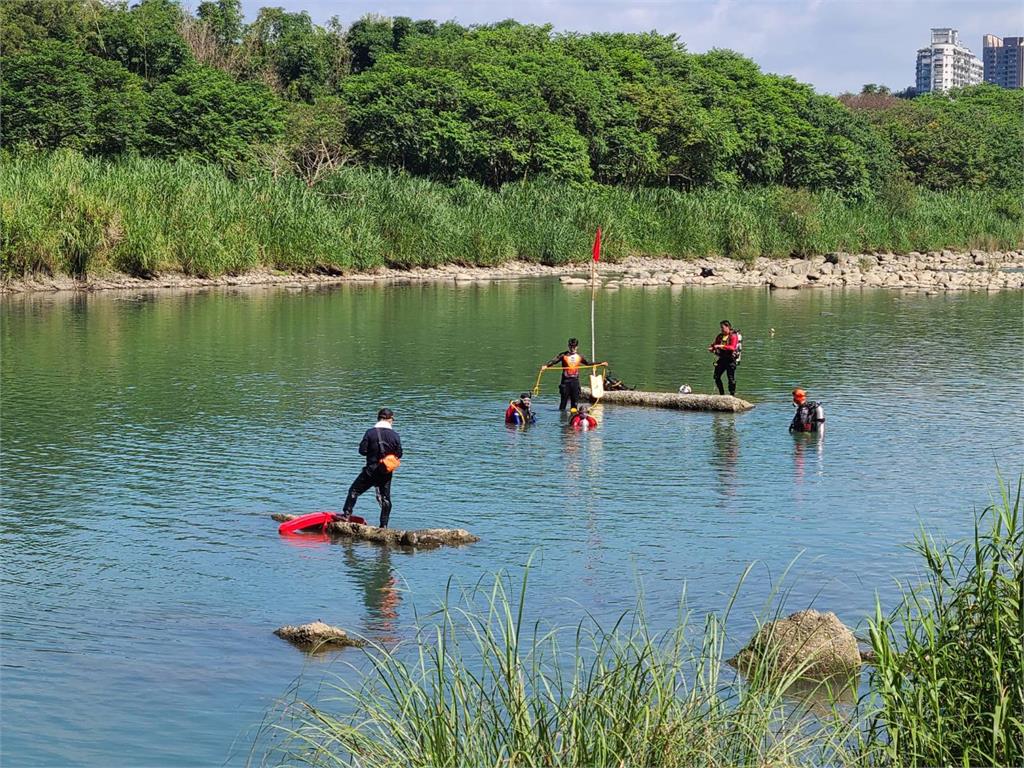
(146, 439)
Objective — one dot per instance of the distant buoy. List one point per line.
(685, 389)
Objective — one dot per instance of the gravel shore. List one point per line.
(930, 272)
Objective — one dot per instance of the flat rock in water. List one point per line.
(807, 643)
(690, 402)
(316, 635)
(788, 281)
(425, 538)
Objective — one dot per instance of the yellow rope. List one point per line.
(540, 373)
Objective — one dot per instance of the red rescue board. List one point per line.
(313, 521)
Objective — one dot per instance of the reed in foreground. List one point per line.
(949, 678)
(483, 687)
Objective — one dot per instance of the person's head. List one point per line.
(799, 396)
(573, 343)
(582, 411)
(525, 399)
(726, 326)
(385, 414)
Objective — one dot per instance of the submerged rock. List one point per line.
(316, 635)
(807, 643)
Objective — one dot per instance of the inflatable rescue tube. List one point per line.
(313, 521)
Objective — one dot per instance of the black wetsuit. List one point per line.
(377, 443)
(569, 388)
(726, 363)
(809, 417)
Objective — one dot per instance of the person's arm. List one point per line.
(730, 344)
(398, 444)
(556, 359)
(714, 343)
(364, 444)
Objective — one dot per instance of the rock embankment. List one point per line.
(931, 272)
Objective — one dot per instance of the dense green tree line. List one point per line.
(495, 104)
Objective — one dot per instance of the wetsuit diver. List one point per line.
(809, 416)
(379, 443)
(726, 349)
(583, 420)
(519, 411)
(570, 361)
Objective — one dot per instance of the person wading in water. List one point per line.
(726, 348)
(809, 416)
(382, 448)
(570, 361)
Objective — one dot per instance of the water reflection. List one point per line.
(725, 445)
(808, 455)
(370, 567)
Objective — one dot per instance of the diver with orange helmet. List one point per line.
(809, 416)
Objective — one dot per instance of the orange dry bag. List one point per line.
(389, 461)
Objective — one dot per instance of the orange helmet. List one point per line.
(799, 395)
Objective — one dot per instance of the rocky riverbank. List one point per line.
(937, 271)
(930, 272)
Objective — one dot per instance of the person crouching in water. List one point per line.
(570, 361)
(583, 420)
(725, 347)
(519, 412)
(809, 416)
(382, 448)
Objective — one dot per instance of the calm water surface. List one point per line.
(147, 438)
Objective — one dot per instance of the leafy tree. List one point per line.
(144, 38)
(56, 95)
(369, 38)
(303, 58)
(973, 137)
(23, 22)
(225, 20)
(204, 113)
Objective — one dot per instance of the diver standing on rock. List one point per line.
(726, 347)
(571, 360)
(382, 448)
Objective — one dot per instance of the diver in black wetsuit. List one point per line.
(569, 388)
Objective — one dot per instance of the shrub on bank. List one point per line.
(61, 213)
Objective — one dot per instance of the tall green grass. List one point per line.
(483, 687)
(479, 685)
(61, 213)
(950, 672)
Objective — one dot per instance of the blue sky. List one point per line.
(836, 45)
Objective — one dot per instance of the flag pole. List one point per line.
(593, 294)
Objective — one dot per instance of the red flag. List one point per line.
(597, 245)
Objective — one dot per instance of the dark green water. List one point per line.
(146, 440)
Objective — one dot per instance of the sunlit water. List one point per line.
(147, 439)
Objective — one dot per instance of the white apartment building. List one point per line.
(946, 63)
